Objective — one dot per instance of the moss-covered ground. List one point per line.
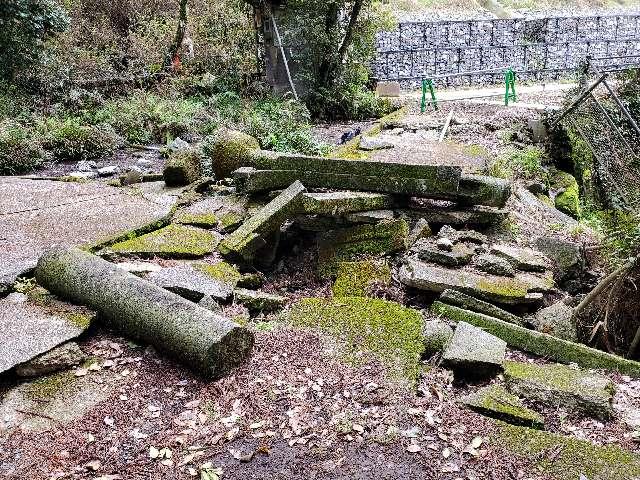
(391, 332)
(354, 278)
(564, 458)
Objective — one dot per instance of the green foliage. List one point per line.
(25, 25)
(146, 117)
(523, 164)
(349, 101)
(620, 231)
(69, 140)
(281, 125)
(20, 149)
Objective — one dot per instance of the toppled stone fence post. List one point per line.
(206, 342)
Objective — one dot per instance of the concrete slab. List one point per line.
(29, 330)
(36, 214)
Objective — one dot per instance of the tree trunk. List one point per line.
(179, 38)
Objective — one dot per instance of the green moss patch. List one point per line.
(564, 458)
(496, 402)
(206, 220)
(568, 198)
(183, 167)
(222, 271)
(348, 244)
(391, 332)
(45, 388)
(173, 241)
(354, 278)
(503, 287)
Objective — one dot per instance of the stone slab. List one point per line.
(477, 215)
(192, 283)
(474, 352)
(524, 259)
(427, 251)
(250, 237)
(35, 214)
(417, 274)
(459, 299)
(214, 211)
(29, 330)
(496, 402)
(562, 386)
(338, 203)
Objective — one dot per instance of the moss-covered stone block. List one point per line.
(459, 299)
(172, 241)
(496, 402)
(206, 342)
(474, 352)
(348, 244)
(571, 457)
(250, 236)
(433, 278)
(483, 190)
(259, 301)
(437, 335)
(229, 150)
(388, 330)
(339, 203)
(183, 167)
(558, 385)
(354, 278)
(540, 343)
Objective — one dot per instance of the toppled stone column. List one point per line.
(206, 342)
(249, 238)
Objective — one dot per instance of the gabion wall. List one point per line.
(540, 48)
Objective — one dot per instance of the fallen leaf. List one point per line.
(94, 367)
(109, 421)
(256, 425)
(81, 372)
(476, 442)
(446, 453)
(167, 462)
(358, 428)
(239, 455)
(209, 473)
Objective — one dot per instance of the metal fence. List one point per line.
(611, 134)
(454, 51)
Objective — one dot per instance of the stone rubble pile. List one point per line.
(383, 227)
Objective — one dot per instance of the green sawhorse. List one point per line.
(510, 83)
(427, 84)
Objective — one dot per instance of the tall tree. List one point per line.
(181, 30)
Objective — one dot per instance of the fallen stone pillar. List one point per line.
(538, 343)
(251, 180)
(206, 342)
(339, 203)
(249, 237)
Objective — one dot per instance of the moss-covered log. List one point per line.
(204, 341)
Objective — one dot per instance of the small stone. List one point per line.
(444, 244)
(178, 144)
(474, 352)
(556, 320)
(459, 254)
(374, 143)
(210, 303)
(456, 236)
(437, 335)
(60, 358)
(524, 259)
(373, 216)
(259, 301)
(108, 171)
(495, 265)
(420, 230)
(144, 163)
(86, 166)
(496, 402)
(562, 386)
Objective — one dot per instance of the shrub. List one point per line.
(524, 164)
(24, 27)
(144, 117)
(20, 149)
(281, 125)
(348, 102)
(69, 140)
